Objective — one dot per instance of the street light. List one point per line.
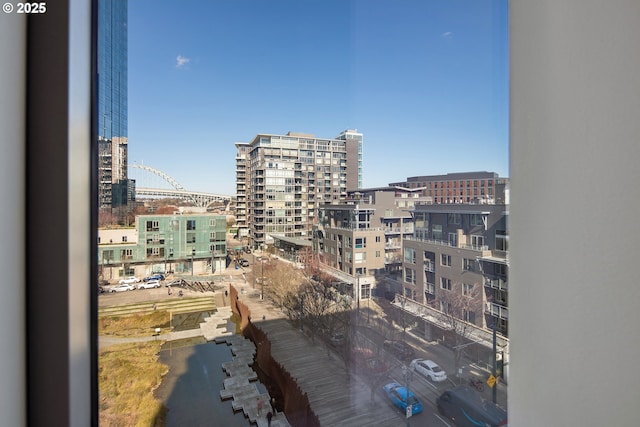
(193, 254)
(357, 296)
(368, 299)
(407, 374)
(262, 278)
(213, 257)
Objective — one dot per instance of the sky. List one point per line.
(426, 82)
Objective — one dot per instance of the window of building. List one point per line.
(467, 289)
(501, 270)
(445, 283)
(453, 239)
(409, 255)
(436, 232)
(454, 219)
(124, 239)
(409, 276)
(469, 264)
(191, 224)
(377, 254)
(360, 257)
(445, 260)
(476, 219)
(502, 240)
(212, 222)
(446, 307)
(361, 242)
(153, 226)
(377, 239)
(191, 237)
(477, 241)
(107, 255)
(126, 253)
(153, 252)
(469, 316)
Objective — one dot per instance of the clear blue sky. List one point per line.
(426, 82)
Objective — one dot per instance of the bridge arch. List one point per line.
(197, 198)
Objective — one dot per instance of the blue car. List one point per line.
(156, 276)
(398, 395)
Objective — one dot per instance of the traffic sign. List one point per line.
(491, 381)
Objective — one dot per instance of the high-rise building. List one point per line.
(112, 105)
(281, 180)
(354, 156)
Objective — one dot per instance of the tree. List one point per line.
(283, 282)
(456, 307)
(316, 302)
(403, 317)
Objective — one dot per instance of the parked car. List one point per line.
(149, 285)
(428, 369)
(401, 399)
(101, 289)
(468, 408)
(243, 262)
(156, 276)
(129, 280)
(399, 349)
(122, 287)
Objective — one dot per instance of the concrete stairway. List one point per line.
(178, 305)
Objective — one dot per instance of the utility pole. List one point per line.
(193, 253)
(262, 274)
(357, 298)
(406, 371)
(495, 364)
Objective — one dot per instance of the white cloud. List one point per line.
(447, 35)
(181, 61)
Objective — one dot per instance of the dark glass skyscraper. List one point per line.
(112, 104)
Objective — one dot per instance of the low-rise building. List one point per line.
(456, 261)
(181, 243)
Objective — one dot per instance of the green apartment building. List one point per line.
(180, 243)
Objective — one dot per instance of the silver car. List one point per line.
(122, 287)
(129, 280)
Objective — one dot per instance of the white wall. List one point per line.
(574, 219)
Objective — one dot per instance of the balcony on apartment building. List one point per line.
(484, 248)
(497, 310)
(430, 266)
(393, 244)
(495, 282)
(155, 241)
(398, 230)
(430, 288)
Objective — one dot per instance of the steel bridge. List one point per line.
(178, 191)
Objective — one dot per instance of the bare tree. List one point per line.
(457, 307)
(317, 302)
(283, 282)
